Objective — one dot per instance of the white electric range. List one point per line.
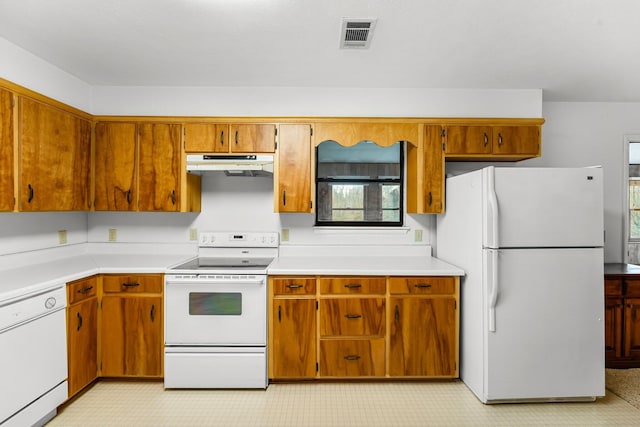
(216, 313)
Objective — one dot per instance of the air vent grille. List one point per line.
(356, 33)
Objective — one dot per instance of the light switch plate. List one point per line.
(113, 234)
(193, 234)
(417, 236)
(62, 237)
(284, 235)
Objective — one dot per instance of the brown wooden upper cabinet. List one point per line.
(293, 176)
(229, 138)
(6, 151)
(492, 143)
(115, 167)
(425, 172)
(55, 158)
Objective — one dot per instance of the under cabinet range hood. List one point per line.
(231, 165)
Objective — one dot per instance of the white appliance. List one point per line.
(532, 301)
(33, 357)
(216, 313)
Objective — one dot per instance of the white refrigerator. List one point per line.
(532, 299)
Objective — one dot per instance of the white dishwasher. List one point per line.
(33, 357)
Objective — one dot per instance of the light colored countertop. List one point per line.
(36, 272)
(359, 265)
(38, 276)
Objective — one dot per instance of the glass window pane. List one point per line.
(634, 226)
(634, 194)
(347, 196)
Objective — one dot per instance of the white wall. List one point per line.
(25, 69)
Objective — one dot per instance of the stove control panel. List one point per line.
(228, 239)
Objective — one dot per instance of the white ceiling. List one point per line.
(575, 50)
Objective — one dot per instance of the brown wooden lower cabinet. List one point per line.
(363, 327)
(292, 344)
(82, 333)
(622, 321)
(131, 334)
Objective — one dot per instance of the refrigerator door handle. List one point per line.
(492, 209)
(493, 282)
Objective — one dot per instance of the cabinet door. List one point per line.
(55, 158)
(613, 328)
(434, 170)
(423, 339)
(6, 151)
(294, 338)
(468, 140)
(132, 339)
(293, 191)
(632, 328)
(252, 138)
(159, 167)
(82, 343)
(206, 138)
(115, 167)
(516, 140)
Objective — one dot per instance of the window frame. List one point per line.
(626, 209)
(400, 181)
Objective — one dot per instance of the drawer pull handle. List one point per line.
(352, 357)
(353, 286)
(353, 316)
(422, 285)
(85, 290)
(294, 286)
(221, 138)
(131, 285)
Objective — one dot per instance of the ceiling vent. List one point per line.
(356, 33)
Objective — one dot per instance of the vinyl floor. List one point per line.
(445, 403)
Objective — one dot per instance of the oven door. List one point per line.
(215, 311)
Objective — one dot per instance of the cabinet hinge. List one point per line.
(444, 147)
(443, 133)
(310, 204)
(275, 145)
(276, 131)
(311, 129)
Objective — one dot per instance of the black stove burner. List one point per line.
(212, 263)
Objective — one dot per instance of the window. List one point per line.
(634, 191)
(359, 185)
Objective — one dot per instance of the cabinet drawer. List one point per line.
(632, 287)
(352, 316)
(136, 283)
(82, 289)
(294, 286)
(352, 358)
(422, 285)
(612, 287)
(352, 285)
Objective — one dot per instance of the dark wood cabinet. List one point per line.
(622, 320)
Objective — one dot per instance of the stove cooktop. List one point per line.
(219, 263)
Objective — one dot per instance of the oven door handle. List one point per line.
(207, 281)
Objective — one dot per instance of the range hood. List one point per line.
(231, 165)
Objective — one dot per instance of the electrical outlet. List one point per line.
(62, 237)
(193, 234)
(417, 235)
(113, 234)
(284, 235)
